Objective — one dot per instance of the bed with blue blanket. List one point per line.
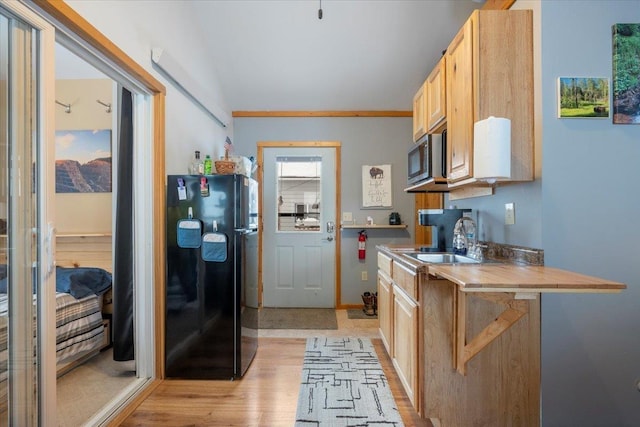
(79, 305)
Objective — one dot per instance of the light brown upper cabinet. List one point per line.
(436, 98)
(420, 113)
(489, 72)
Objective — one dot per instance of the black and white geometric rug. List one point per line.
(343, 385)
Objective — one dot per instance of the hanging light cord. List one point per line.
(320, 11)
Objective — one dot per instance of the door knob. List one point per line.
(330, 227)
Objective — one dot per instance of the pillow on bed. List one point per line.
(4, 279)
(79, 282)
(82, 281)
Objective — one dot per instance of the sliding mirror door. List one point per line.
(24, 283)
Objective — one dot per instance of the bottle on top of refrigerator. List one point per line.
(207, 165)
(196, 167)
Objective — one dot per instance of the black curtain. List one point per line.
(123, 253)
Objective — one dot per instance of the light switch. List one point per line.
(347, 216)
(509, 213)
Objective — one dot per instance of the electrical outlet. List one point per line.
(509, 213)
(347, 216)
(364, 276)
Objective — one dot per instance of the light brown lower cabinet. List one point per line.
(385, 303)
(501, 383)
(469, 355)
(405, 343)
(400, 327)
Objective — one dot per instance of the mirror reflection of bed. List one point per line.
(83, 333)
(88, 379)
(84, 307)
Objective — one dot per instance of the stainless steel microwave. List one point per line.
(428, 158)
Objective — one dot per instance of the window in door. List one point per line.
(298, 193)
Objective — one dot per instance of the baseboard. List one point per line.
(349, 306)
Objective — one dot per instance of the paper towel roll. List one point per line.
(492, 149)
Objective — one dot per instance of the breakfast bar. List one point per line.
(476, 334)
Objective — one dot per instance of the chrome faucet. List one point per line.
(459, 243)
(465, 239)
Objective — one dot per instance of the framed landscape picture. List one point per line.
(626, 73)
(583, 97)
(83, 161)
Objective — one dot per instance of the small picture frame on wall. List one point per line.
(626, 75)
(583, 97)
(376, 186)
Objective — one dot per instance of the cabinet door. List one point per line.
(385, 306)
(460, 104)
(419, 113)
(405, 343)
(436, 97)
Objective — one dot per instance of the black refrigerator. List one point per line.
(211, 327)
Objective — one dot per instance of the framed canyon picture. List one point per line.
(626, 73)
(83, 161)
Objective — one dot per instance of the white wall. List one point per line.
(83, 212)
(136, 27)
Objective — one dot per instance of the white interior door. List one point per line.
(299, 231)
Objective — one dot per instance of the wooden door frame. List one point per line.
(66, 17)
(261, 145)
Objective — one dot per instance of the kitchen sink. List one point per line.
(442, 258)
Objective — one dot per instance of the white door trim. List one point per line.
(46, 213)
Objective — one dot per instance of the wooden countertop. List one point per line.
(508, 285)
(516, 278)
(504, 277)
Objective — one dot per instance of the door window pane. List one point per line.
(298, 193)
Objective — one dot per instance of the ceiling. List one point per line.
(362, 55)
(277, 54)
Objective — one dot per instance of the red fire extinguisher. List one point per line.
(362, 249)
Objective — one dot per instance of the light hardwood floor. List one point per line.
(266, 396)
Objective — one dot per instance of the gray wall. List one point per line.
(590, 343)
(580, 212)
(365, 141)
